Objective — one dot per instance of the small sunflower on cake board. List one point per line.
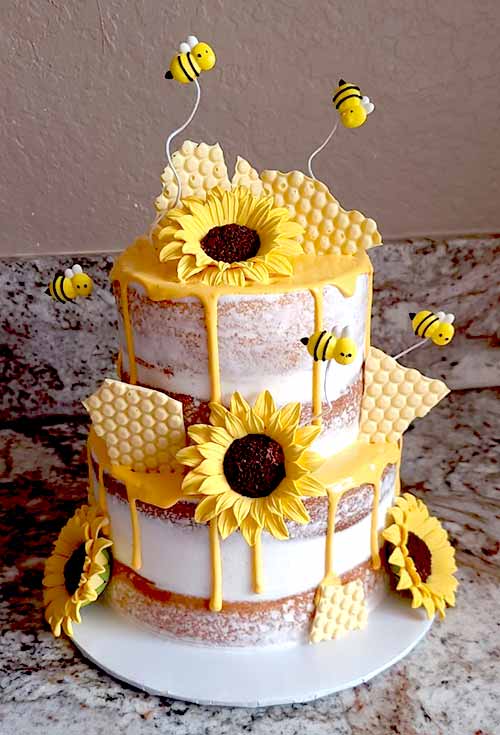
(78, 569)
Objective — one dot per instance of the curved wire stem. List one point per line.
(168, 143)
(324, 384)
(176, 132)
(318, 150)
(410, 349)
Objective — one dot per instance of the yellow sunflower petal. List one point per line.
(264, 406)
(188, 456)
(276, 526)
(405, 581)
(206, 509)
(393, 534)
(227, 523)
(397, 558)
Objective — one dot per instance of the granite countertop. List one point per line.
(450, 684)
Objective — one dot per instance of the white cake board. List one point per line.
(250, 677)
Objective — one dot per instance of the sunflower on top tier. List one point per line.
(252, 227)
(251, 467)
(229, 239)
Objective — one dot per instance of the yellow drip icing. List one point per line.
(210, 307)
(317, 398)
(118, 365)
(357, 465)
(128, 331)
(333, 502)
(374, 527)
(102, 490)
(136, 535)
(90, 492)
(258, 585)
(215, 557)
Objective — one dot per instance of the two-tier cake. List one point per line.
(244, 464)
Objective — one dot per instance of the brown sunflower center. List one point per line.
(231, 243)
(73, 569)
(254, 465)
(419, 552)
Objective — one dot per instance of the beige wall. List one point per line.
(85, 109)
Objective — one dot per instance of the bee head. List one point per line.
(82, 284)
(444, 334)
(353, 114)
(204, 55)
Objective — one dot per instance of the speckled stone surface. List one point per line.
(449, 685)
(53, 355)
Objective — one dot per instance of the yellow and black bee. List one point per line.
(71, 284)
(193, 58)
(437, 327)
(336, 345)
(351, 105)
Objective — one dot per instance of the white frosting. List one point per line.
(176, 557)
(258, 338)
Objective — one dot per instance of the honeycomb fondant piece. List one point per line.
(340, 608)
(329, 229)
(394, 396)
(143, 429)
(201, 167)
(245, 175)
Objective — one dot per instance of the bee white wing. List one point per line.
(449, 318)
(440, 315)
(336, 332)
(346, 332)
(184, 47)
(77, 268)
(367, 104)
(192, 41)
(68, 273)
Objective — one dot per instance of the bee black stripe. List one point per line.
(197, 73)
(55, 284)
(317, 344)
(429, 316)
(63, 291)
(326, 347)
(349, 96)
(345, 89)
(429, 325)
(179, 59)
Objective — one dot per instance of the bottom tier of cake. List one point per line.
(163, 571)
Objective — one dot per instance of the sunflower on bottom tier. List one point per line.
(421, 556)
(252, 467)
(78, 570)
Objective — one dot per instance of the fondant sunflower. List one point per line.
(421, 556)
(230, 238)
(78, 569)
(251, 466)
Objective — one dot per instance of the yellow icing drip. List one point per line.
(128, 332)
(140, 264)
(136, 535)
(91, 492)
(210, 307)
(333, 501)
(317, 397)
(374, 528)
(162, 489)
(357, 465)
(102, 490)
(258, 585)
(216, 562)
(119, 362)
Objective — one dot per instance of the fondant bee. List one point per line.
(351, 105)
(193, 58)
(437, 327)
(71, 284)
(335, 345)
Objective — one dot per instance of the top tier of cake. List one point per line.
(199, 342)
